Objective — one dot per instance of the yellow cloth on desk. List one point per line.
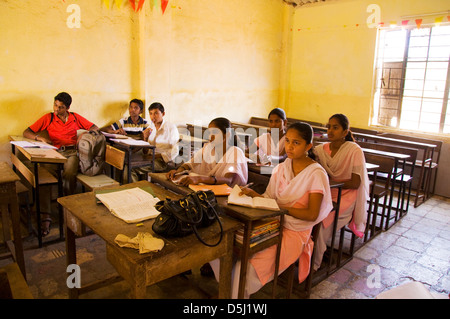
(145, 242)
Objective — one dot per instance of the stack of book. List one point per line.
(262, 230)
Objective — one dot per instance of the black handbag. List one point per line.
(184, 216)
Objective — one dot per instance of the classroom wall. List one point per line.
(333, 52)
(201, 59)
(332, 62)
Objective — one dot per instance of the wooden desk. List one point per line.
(245, 215)
(37, 156)
(135, 159)
(399, 170)
(140, 271)
(423, 186)
(9, 204)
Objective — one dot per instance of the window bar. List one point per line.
(402, 83)
(424, 77)
(445, 100)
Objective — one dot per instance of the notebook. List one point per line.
(131, 205)
(254, 202)
(219, 190)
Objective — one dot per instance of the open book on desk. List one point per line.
(27, 144)
(132, 205)
(253, 202)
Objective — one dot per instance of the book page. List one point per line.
(131, 205)
(131, 141)
(265, 203)
(235, 199)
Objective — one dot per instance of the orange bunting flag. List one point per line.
(133, 5)
(418, 23)
(164, 4)
(448, 18)
(140, 4)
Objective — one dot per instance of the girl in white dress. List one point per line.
(219, 161)
(301, 186)
(344, 161)
(270, 146)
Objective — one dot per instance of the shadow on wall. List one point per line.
(112, 112)
(20, 113)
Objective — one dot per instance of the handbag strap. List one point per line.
(189, 212)
(194, 227)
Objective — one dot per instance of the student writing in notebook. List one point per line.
(219, 162)
(344, 161)
(270, 146)
(301, 186)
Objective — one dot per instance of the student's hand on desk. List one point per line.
(120, 131)
(191, 180)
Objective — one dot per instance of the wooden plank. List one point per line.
(24, 170)
(114, 157)
(19, 287)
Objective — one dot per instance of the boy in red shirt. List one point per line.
(62, 127)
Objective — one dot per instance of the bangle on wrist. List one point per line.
(215, 179)
(35, 137)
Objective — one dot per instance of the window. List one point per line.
(413, 78)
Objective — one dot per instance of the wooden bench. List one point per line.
(115, 158)
(425, 156)
(436, 153)
(12, 283)
(9, 206)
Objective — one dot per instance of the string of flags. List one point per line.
(403, 23)
(137, 5)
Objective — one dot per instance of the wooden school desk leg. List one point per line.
(153, 160)
(138, 287)
(18, 247)
(60, 208)
(38, 204)
(226, 267)
(277, 259)
(71, 257)
(244, 259)
(129, 164)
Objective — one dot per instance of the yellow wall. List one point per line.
(201, 59)
(332, 58)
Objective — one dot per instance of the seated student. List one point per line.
(164, 136)
(219, 161)
(344, 161)
(62, 127)
(133, 125)
(270, 146)
(301, 186)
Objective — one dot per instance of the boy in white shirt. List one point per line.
(162, 134)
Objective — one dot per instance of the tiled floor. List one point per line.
(417, 248)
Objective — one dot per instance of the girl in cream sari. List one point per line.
(300, 185)
(344, 161)
(219, 161)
